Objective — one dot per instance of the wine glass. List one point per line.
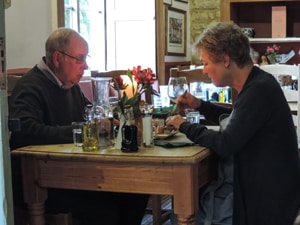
(177, 86)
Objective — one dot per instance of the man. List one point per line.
(47, 100)
(259, 133)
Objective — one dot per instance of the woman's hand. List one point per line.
(187, 100)
(174, 122)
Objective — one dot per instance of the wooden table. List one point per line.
(179, 172)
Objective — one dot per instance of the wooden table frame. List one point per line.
(179, 172)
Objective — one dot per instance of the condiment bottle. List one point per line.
(129, 131)
(90, 131)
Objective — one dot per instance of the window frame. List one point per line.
(160, 34)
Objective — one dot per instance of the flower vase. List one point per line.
(271, 58)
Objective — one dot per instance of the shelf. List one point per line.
(260, 18)
(257, 14)
(273, 40)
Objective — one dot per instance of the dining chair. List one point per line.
(155, 202)
(292, 94)
(147, 97)
(285, 71)
(196, 75)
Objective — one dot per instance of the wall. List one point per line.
(202, 13)
(184, 7)
(28, 24)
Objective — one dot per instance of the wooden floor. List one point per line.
(166, 204)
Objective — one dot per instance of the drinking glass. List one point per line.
(177, 86)
(77, 133)
(192, 115)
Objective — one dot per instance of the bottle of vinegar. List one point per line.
(129, 132)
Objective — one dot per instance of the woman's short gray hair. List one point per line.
(226, 38)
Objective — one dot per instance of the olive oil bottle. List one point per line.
(90, 131)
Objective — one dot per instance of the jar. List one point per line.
(103, 111)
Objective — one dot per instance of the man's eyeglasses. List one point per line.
(77, 60)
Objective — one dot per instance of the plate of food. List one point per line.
(166, 134)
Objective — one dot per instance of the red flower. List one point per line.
(144, 79)
(145, 76)
(118, 83)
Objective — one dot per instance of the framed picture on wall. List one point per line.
(185, 1)
(175, 32)
(168, 2)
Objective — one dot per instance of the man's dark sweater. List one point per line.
(45, 110)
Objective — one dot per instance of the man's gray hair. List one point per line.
(58, 40)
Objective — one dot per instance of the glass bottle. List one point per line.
(90, 131)
(129, 131)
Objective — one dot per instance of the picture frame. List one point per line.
(175, 20)
(168, 2)
(184, 1)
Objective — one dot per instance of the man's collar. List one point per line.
(48, 73)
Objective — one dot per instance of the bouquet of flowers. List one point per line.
(271, 53)
(140, 81)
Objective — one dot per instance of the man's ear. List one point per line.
(56, 58)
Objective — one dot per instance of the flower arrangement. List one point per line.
(271, 53)
(140, 81)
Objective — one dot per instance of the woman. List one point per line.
(260, 134)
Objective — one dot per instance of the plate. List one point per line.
(165, 135)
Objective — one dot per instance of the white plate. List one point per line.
(165, 135)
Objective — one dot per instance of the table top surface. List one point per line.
(180, 154)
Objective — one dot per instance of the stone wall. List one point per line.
(202, 13)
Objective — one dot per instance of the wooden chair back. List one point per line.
(192, 75)
(292, 96)
(196, 75)
(146, 97)
(111, 73)
(281, 71)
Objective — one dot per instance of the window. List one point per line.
(88, 18)
(121, 34)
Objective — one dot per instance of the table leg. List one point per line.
(186, 221)
(186, 194)
(36, 213)
(34, 195)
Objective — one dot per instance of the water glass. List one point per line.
(77, 133)
(192, 116)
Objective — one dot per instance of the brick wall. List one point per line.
(202, 13)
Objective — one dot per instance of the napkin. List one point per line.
(176, 141)
(167, 144)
